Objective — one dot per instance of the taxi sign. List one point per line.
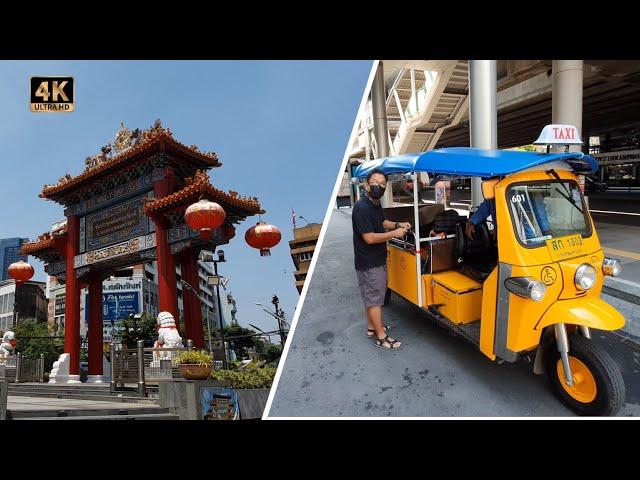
(563, 248)
(556, 134)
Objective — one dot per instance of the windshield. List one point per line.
(545, 210)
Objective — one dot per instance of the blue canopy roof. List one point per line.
(474, 162)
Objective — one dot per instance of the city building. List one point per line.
(302, 247)
(9, 253)
(31, 302)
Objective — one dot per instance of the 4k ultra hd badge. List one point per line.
(51, 94)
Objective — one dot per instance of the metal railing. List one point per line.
(143, 366)
(18, 368)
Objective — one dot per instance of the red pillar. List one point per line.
(167, 290)
(95, 325)
(72, 301)
(193, 313)
(186, 303)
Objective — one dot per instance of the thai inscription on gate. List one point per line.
(115, 224)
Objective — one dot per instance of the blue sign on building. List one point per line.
(117, 306)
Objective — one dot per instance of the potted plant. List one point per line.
(195, 365)
(251, 384)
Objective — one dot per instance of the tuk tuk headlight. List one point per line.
(526, 287)
(585, 277)
(611, 266)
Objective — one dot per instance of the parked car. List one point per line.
(591, 185)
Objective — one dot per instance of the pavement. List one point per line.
(17, 403)
(332, 369)
(622, 242)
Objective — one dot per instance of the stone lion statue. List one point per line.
(8, 345)
(168, 337)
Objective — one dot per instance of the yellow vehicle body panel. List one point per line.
(401, 273)
(569, 268)
(427, 290)
(487, 322)
(460, 296)
(590, 312)
(524, 313)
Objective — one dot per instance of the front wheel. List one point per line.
(598, 387)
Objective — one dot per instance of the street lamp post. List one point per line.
(215, 271)
(275, 301)
(279, 316)
(208, 327)
(215, 280)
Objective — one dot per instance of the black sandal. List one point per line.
(381, 341)
(371, 332)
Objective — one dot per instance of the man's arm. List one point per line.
(389, 225)
(481, 214)
(372, 238)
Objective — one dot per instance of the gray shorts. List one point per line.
(373, 285)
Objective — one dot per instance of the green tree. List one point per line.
(34, 339)
(143, 328)
(246, 338)
(271, 353)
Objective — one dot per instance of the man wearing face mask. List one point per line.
(370, 234)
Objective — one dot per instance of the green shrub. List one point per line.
(250, 377)
(194, 357)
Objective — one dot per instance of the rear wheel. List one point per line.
(598, 387)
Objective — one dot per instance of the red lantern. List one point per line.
(228, 232)
(205, 216)
(20, 271)
(263, 236)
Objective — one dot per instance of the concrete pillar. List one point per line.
(483, 113)
(381, 131)
(566, 99)
(72, 301)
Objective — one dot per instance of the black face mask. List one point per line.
(376, 191)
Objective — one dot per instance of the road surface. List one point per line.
(332, 369)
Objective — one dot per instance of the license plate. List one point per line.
(565, 247)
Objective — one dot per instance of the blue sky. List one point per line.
(279, 127)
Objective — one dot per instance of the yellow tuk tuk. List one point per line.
(527, 284)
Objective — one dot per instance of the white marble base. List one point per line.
(95, 379)
(65, 379)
